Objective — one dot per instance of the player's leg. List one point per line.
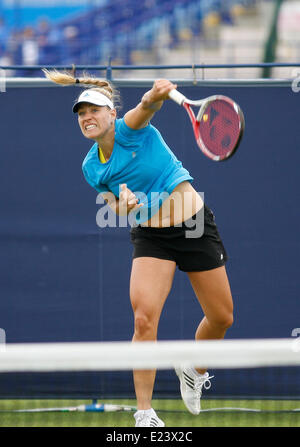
(150, 283)
(213, 292)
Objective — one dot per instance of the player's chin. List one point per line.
(90, 134)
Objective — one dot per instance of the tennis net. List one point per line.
(255, 383)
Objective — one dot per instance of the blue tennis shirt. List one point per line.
(143, 161)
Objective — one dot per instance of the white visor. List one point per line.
(93, 97)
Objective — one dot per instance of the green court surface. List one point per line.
(216, 413)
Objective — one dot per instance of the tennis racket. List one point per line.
(98, 408)
(218, 126)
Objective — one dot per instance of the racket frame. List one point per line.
(181, 100)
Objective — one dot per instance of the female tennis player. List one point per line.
(138, 174)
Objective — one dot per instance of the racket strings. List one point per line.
(220, 127)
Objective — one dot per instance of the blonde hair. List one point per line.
(86, 80)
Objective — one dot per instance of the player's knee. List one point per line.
(228, 320)
(223, 321)
(144, 328)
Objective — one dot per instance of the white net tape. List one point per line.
(120, 356)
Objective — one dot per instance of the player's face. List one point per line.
(96, 122)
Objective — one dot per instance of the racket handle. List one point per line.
(102, 408)
(99, 408)
(176, 96)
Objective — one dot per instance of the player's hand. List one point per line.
(160, 90)
(128, 200)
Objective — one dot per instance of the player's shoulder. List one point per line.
(126, 136)
(91, 155)
(122, 127)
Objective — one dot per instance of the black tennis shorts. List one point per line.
(193, 250)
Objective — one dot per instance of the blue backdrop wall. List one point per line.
(62, 278)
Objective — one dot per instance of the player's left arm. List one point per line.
(126, 202)
(151, 102)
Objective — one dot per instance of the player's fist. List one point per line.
(161, 89)
(128, 200)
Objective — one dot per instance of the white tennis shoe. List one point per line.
(191, 385)
(147, 418)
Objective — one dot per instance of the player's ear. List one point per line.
(113, 113)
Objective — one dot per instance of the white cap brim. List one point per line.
(93, 97)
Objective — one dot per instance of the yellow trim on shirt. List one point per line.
(101, 156)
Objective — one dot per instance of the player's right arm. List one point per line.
(126, 202)
(151, 102)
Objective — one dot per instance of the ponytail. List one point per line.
(87, 80)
